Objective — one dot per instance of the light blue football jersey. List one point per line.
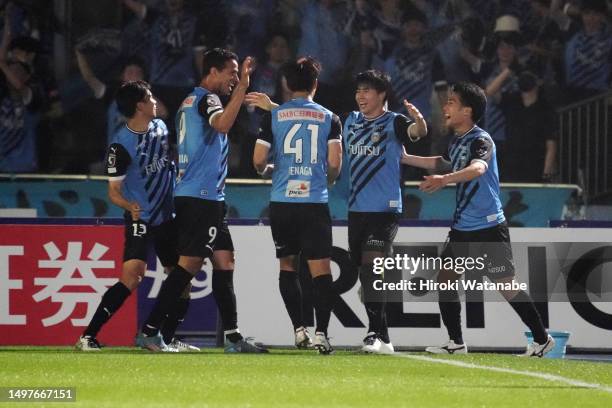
(203, 151)
(298, 133)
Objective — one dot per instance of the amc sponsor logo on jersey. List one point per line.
(298, 189)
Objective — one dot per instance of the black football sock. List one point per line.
(170, 291)
(524, 307)
(450, 310)
(223, 291)
(373, 300)
(324, 297)
(112, 300)
(291, 292)
(174, 319)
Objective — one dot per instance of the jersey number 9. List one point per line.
(182, 129)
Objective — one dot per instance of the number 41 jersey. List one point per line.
(298, 133)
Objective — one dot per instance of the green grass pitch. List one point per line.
(124, 377)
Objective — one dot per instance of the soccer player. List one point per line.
(202, 126)
(479, 219)
(306, 143)
(373, 143)
(141, 181)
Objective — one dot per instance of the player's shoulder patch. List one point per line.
(114, 150)
(111, 161)
(188, 101)
(212, 100)
(482, 136)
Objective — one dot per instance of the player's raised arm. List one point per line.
(418, 129)
(262, 147)
(334, 150)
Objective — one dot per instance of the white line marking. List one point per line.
(542, 376)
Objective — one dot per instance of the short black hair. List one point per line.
(375, 79)
(301, 75)
(471, 96)
(128, 96)
(216, 58)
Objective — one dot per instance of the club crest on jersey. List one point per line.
(375, 137)
(298, 189)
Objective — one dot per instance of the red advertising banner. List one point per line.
(52, 278)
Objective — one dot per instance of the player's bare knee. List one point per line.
(223, 260)
(319, 267)
(132, 273)
(507, 294)
(287, 263)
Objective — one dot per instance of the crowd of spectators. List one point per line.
(531, 56)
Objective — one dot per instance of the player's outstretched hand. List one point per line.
(245, 72)
(413, 112)
(432, 183)
(260, 100)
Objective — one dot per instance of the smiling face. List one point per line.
(148, 106)
(456, 115)
(227, 78)
(370, 101)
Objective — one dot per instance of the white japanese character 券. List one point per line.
(68, 277)
(199, 289)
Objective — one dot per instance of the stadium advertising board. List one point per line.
(544, 258)
(52, 278)
(51, 281)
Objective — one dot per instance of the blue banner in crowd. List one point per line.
(525, 206)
